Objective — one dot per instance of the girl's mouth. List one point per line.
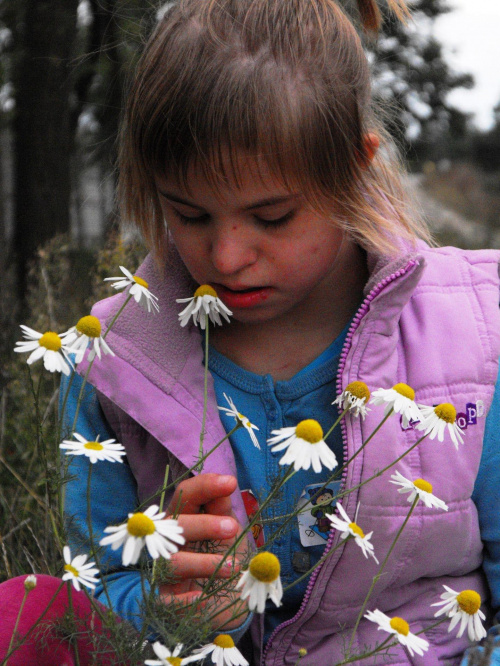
(242, 298)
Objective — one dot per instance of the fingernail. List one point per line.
(225, 478)
(227, 526)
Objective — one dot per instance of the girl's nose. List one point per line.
(232, 250)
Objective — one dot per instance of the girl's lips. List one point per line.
(242, 299)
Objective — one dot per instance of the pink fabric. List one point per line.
(45, 645)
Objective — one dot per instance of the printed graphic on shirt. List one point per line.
(251, 507)
(314, 524)
(473, 411)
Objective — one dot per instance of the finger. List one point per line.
(192, 494)
(202, 565)
(205, 527)
(219, 507)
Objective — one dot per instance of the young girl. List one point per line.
(252, 161)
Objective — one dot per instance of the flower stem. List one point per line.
(162, 501)
(16, 626)
(379, 573)
(74, 639)
(336, 423)
(199, 467)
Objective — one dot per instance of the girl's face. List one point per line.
(263, 249)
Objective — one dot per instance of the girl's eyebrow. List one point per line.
(269, 201)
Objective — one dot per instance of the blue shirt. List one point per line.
(270, 406)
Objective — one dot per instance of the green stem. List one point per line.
(379, 573)
(74, 639)
(16, 625)
(162, 501)
(199, 467)
(336, 423)
(369, 653)
(112, 323)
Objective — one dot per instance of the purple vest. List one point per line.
(429, 319)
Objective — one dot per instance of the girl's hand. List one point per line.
(203, 505)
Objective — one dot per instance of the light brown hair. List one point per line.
(284, 81)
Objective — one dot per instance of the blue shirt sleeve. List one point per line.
(112, 495)
(486, 497)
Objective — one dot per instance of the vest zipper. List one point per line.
(334, 535)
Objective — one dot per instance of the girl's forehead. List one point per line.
(236, 173)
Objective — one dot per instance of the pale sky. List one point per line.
(470, 35)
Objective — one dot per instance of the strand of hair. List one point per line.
(371, 16)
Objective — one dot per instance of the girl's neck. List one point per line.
(283, 346)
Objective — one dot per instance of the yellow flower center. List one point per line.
(469, 601)
(400, 625)
(265, 567)
(205, 290)
(405, 390)
(446, 412)
(421, 484)
(93, 446)
(242, 418)
(310, 430)
(140, 281)
(175, 661)
(224, 641)
(90, 326)
(359, 390)
(357, 530)
(75, 572)
(50, 341)
(140, 525)
(302, 652)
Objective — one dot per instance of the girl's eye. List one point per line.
(185, 219)
(276, 222)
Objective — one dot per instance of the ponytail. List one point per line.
(371, 17)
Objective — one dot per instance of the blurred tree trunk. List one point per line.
(43, 136)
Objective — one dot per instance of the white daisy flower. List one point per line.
(351, 528)
(305, 446)
(78, 570)
(86, 333)
(401, 399)
(436, 419)
(204, 302)
(30, 583)
(168, 658)
(49, 346)
(223, 651)
(354, 398)
(261, 581)
(107, 450)
(150, 528)
(401, 629)
(249, 427)
(139, 289)
(463, 607)
(418, 487)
